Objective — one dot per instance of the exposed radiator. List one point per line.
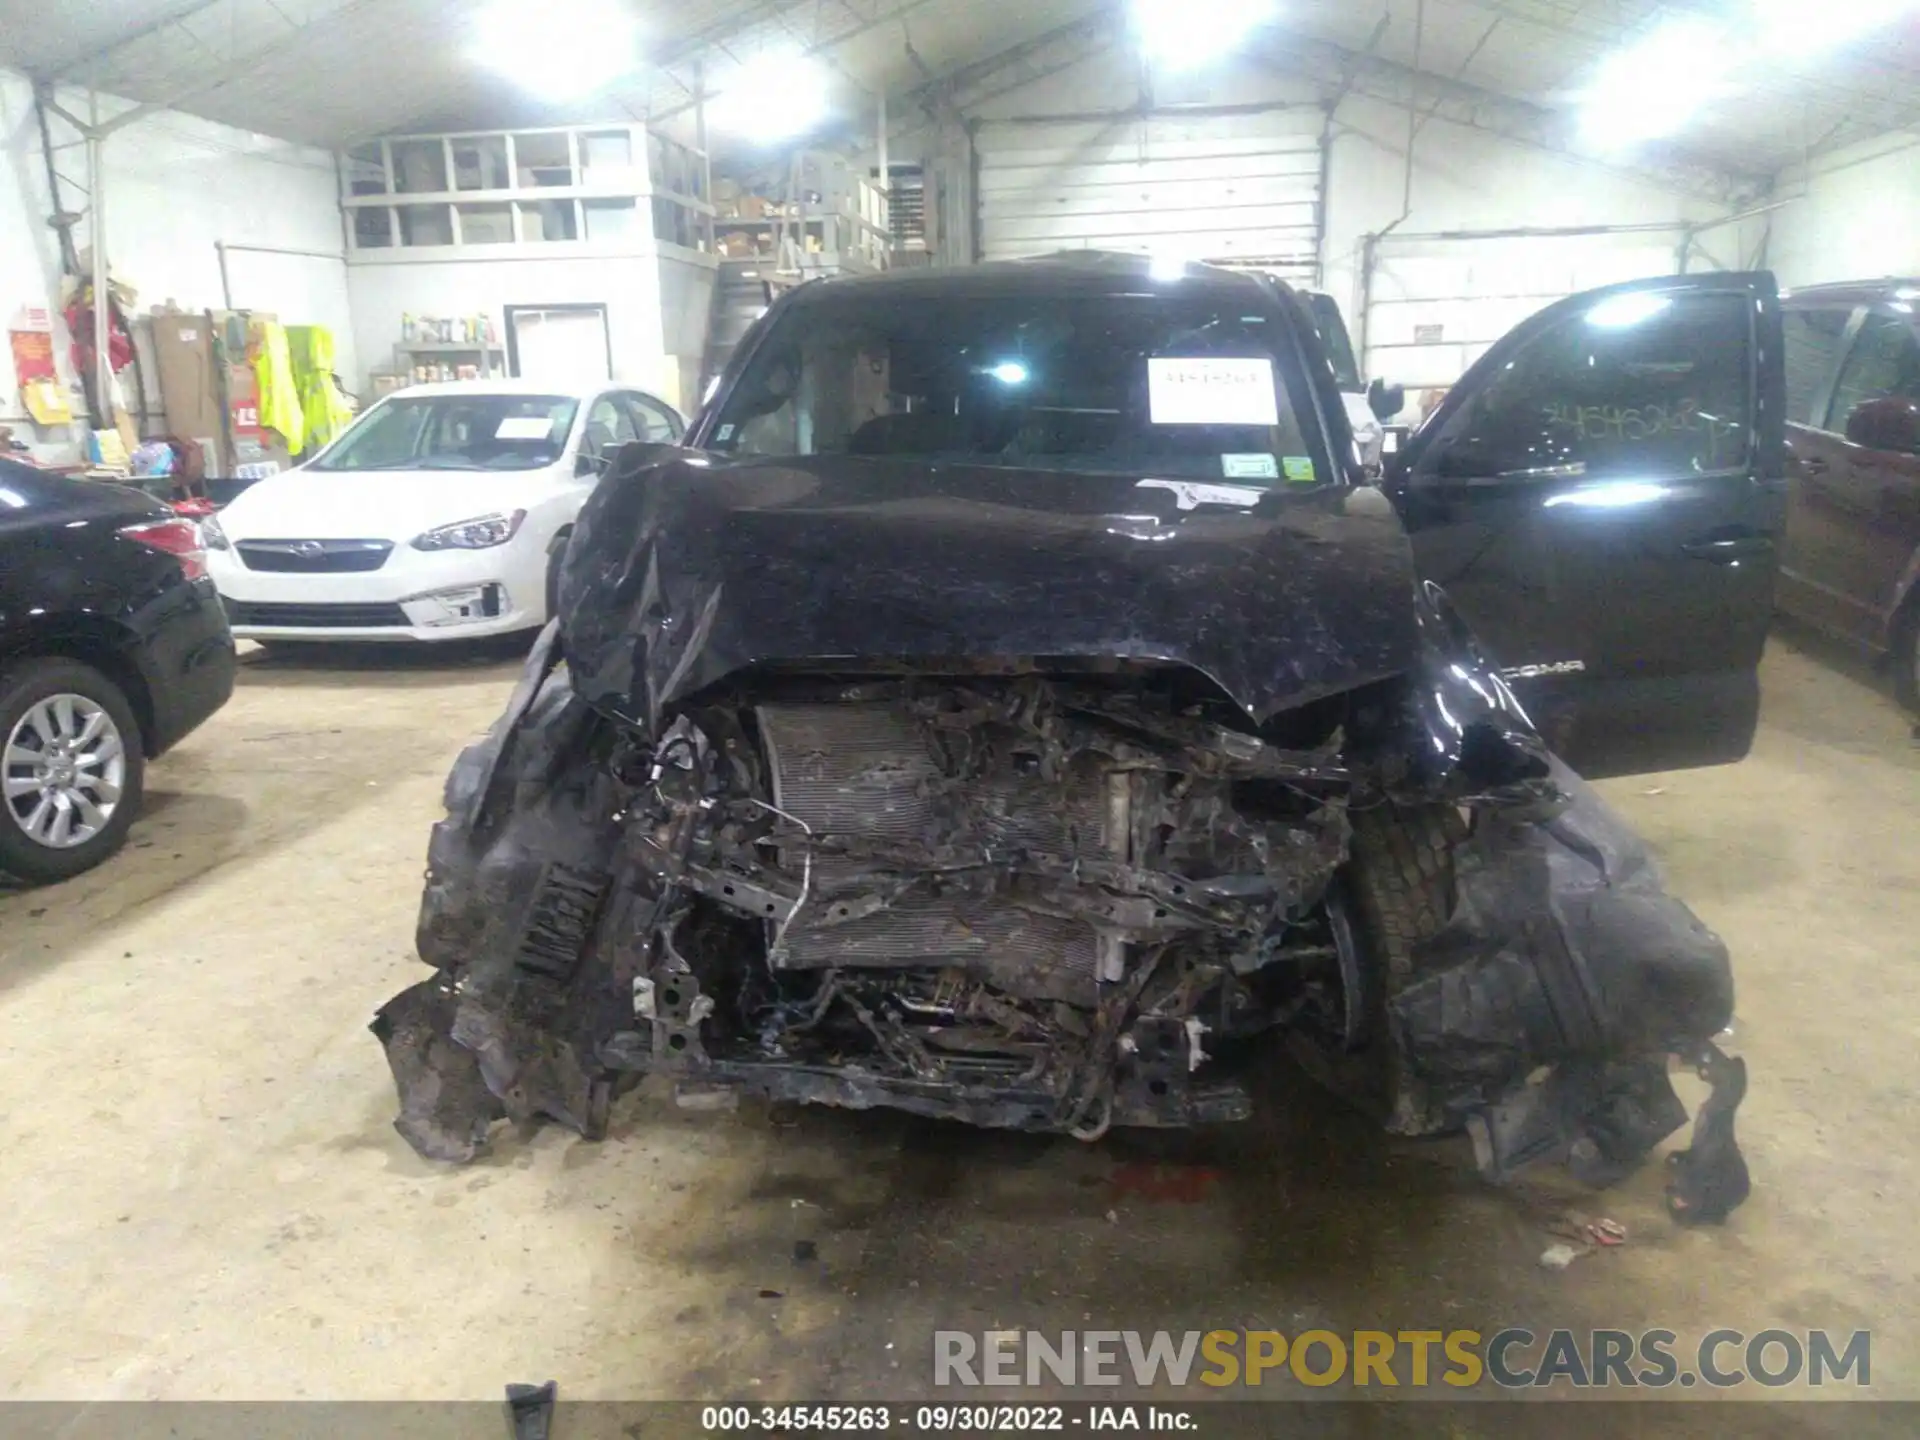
(866, 771)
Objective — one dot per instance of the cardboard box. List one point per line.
(201, 400)
(189, 388)
(254, 446)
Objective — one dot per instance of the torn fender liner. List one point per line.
(1564, 950)
(445, 1106)
(682, 572)
(516, 880)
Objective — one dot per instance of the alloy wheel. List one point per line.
(63, 769)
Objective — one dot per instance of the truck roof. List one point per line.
(1067, 272)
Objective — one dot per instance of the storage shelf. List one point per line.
(447, 347)
(770, 222)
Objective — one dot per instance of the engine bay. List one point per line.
(1017, 901)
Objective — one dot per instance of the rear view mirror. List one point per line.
(1386, 401)
(1891, 423)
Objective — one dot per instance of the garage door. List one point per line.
(1437, 305)
(1238, 188)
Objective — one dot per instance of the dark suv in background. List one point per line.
(1851, 554)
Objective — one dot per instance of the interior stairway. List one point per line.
(739, 299)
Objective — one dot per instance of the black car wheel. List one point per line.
(71, 768)
(1399, 890)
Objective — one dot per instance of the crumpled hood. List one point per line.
(685, 568)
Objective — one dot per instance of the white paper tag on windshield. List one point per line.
(1249, 467)
(1191, 494)
(524, 427)
(1211, 390)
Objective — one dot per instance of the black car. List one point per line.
(113, 646)
(1010, 706)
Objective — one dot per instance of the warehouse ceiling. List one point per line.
(335, 72)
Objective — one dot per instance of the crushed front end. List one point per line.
(1058, 852)
(1051, 902)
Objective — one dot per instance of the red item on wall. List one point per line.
(79, 318)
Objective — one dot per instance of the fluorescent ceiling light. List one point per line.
(558, 49)
(1011, 372)
(775, 95)
(1655, 86)
(1181, 34)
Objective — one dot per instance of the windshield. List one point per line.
(1333, 334)
(456, 432)
(1194, 387)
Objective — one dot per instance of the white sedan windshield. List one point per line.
(456, 432)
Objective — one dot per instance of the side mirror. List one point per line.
(1892, 423)
(586, 464)
(1386, 401)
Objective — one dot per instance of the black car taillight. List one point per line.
(178, 538)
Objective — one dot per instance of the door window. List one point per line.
(1638, 383)
(652, 421)
(1884, 362)
(608, 425)
(1813, 347)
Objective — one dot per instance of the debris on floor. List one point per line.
(1580, 1235)
(1558, 1257)
(1708, 1179)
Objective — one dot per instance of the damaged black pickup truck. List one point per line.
(1008, 705)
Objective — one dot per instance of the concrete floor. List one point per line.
(204, 1198)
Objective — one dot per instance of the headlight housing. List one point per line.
(481, 533)
(211, 535)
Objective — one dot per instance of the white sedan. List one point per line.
(440, 514)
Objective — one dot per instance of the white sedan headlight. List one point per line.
(482, 533)
(211, 535)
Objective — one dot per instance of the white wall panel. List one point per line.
(651, 303)
(1855, 214)
(1237, 187)
(1474, 290)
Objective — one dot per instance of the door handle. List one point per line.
(1729, 549)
